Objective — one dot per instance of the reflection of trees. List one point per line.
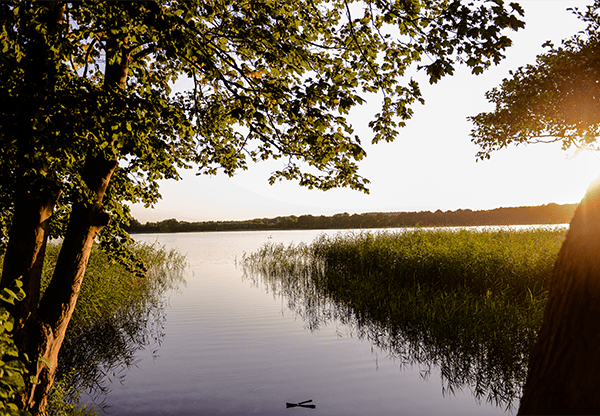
(95, 353)
(477, 342)
(117, 315)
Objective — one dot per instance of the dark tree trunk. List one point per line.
(564, 369)
(36, 194)
(24, 257)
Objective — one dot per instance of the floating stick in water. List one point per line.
(301, 404)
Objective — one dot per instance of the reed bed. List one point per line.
(512, 263)
(467, 302)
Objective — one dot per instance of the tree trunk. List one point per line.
(58, 303)
(36, 194)
(42, 324)
(564, 369)
(24, 257)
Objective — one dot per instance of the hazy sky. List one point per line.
(430, 166)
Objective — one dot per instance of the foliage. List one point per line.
(13, 372)
(554, 100)
(469, 303)
(63, 399)
(117, 313)
(544, 214)
(269, 80)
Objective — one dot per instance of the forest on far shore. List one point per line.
(543, 214)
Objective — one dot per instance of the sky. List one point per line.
(430, 166)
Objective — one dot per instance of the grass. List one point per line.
(467, 302)
(117, 313)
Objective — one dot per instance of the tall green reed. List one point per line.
(467, 302)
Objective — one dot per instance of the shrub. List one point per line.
(13, 371)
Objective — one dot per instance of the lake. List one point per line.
(232, 347)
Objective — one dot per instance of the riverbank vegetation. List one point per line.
(543, 214)
(13, 371)
(469, 303)
(117, 313)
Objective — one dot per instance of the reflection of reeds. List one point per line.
(469, 303)
(117, 313)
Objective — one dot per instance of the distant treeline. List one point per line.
(544, 214)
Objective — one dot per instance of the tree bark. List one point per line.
(564, 368)
(58, 303)
(24, 257)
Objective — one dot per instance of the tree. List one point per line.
(89, 120)
(558, 100)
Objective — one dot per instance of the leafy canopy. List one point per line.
(557, 99)
(269, 79)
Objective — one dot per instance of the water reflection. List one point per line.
(100, 352)
(99, 347)
(492, 364)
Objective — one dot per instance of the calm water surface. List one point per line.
(233, 348)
